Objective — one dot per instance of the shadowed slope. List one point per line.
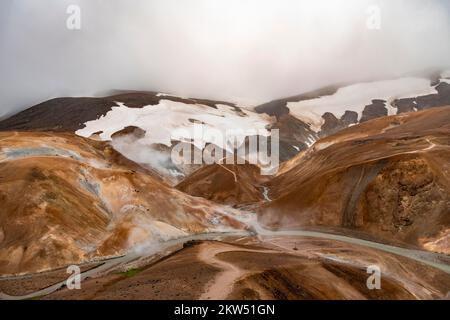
(388, 177)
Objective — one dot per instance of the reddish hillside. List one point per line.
(227, 184)
(67, 200)
(388, 177)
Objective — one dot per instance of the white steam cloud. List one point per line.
(240, 50)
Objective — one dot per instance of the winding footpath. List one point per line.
(222, 285)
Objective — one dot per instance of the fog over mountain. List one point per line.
(249, 51)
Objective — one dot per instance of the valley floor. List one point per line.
(277, 265)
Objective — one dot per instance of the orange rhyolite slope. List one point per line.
(389, 177)
(66, 199)
(236, 184)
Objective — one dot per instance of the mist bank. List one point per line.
(248, 51)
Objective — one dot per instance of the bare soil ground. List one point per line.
(23, 285)
(275, 268)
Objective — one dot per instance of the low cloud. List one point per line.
(240, 50)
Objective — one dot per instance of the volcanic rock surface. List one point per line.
(333, 108)
(374, 190)
(388, 177)
(238, 184)
(71, 114)
(67, 200)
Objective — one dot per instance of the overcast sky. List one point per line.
(238, 50)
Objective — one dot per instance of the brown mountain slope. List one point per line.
(389, 177)
(71, 114)
(227, 184)
(67, 200)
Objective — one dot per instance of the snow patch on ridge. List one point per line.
(170, 120)
(357, 97)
